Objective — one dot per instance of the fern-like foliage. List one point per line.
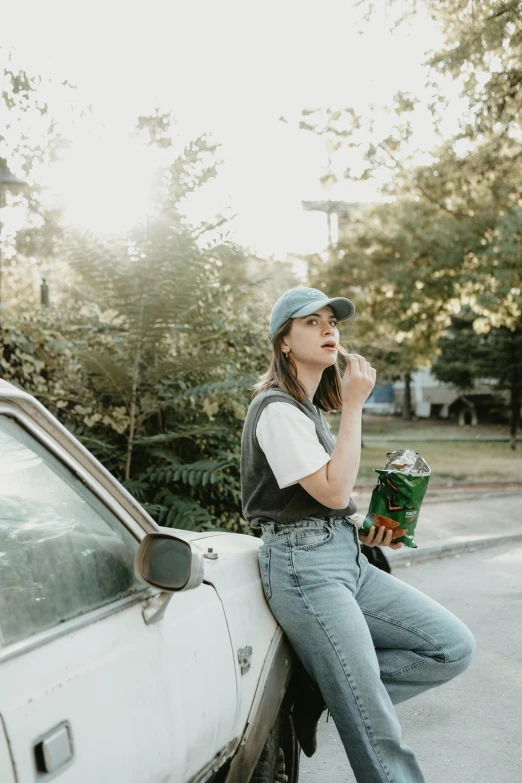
(206, 389)
(195, 474)
(192, 432)
(110, 376)
(180, 512)
(139, 488)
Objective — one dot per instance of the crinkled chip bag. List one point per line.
(398, 495)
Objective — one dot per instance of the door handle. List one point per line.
(54, 749)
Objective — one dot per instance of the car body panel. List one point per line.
(143, 702)
(85, 678)
(6, 764)
(271, 691)
(235, 576)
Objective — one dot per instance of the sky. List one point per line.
(227, 68)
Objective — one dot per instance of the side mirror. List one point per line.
(167, 562)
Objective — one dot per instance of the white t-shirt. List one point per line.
(290, 443)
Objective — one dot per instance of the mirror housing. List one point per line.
(169, 563)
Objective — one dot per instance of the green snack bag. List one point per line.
(398, 495)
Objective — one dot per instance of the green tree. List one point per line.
(469, 355)
(452, 230)
(175, 343)
(475, 177)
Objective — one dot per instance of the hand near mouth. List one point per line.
(359, 377)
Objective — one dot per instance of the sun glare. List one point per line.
(104, 187)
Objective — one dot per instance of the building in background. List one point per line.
(433, 399)
(381, 401)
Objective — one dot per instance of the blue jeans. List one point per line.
(369, 640)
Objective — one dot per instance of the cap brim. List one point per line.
(343, 308)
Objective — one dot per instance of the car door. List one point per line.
(88, 690)
(6, 764)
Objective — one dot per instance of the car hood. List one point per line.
(221, 541)
(234, 557)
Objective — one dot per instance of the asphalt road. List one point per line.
(470, 729)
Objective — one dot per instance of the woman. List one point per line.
(367, 639)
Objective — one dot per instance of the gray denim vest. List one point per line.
(261, 497)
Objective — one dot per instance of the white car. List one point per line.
(129, 653)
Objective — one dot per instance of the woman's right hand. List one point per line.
(358, 379)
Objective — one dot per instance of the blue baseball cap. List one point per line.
(298, 302)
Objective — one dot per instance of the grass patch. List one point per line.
(450, 461)
(394, 426)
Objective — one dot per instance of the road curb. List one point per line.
(405, 558)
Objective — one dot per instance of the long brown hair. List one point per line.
(282, 374)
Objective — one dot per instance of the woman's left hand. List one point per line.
(383, 537)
